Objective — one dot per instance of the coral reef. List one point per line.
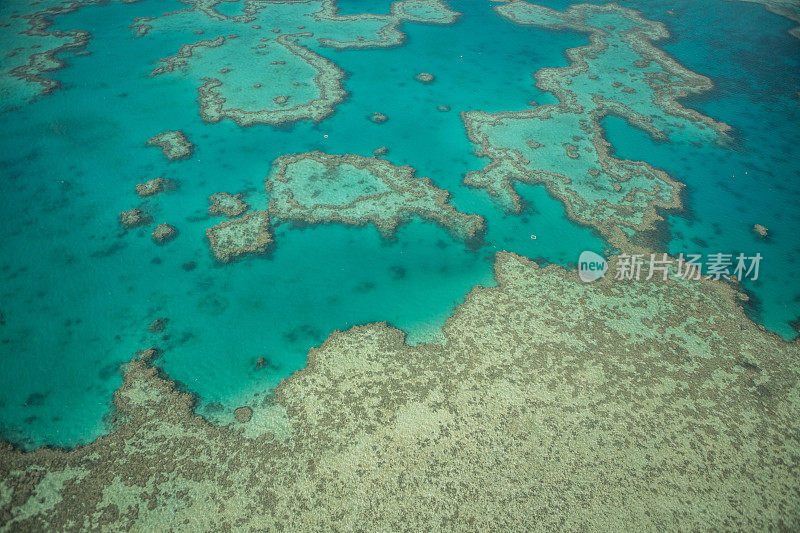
(610, 406)
(383, 28)
(164, 233)
(174, 144)
(243, 414)
(28, 58)
(133, 218)
(378, 118)
(158, 325)
(550, 405)
(285, 80)
(32, 51)
(617, 197)
(325, 75)
(154, 186)
(318, 188)
(424, 77)
(234, 239)
(224, 204)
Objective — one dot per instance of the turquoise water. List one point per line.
(729, 190)
(77, 294)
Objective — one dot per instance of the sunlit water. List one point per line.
(77, 294)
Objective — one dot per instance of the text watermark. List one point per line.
(592, 266)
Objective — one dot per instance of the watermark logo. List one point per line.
(591, 266)
(717, 266)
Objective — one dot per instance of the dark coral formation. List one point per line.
(249, 235)
(133, 218)
(46, 57)
(158, 325)
(164, 233)
(378, 118)
(154, 186)
(243, 414)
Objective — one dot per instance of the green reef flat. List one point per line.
(311, 265)
(533, 414)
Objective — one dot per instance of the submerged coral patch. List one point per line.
(154, 186)
(378, 118)
(234, 239)
(134, 218)
(174, 144)
(163, 233)
(785, 8)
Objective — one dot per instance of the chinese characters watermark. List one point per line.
(717, 266)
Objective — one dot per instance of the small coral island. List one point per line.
(174, 144)
(318, 188)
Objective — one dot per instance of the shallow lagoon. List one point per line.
(98, 290)
(78, 294)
